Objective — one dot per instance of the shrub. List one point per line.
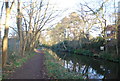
(84, 52)
(94, 44)
(106, 56)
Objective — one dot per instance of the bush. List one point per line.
(94, 44)
(106, 56)
(84, 52)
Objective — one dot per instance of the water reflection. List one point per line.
(86, 71)
(89, 68)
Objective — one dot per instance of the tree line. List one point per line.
(30, 18)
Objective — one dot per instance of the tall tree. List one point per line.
(19, 21)
(5, 38)
(39, 13)
(118, 30)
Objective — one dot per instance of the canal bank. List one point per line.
(89, 68)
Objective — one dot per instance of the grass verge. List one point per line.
(56, 71)
(17, 63)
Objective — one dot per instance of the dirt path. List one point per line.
(32, 69)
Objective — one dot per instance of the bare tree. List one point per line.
(38, 14)
(5, 38)
(118, 30)
(19, 22)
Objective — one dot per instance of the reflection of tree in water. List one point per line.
(88, 67)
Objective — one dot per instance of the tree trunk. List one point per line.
(118, 38)
(5, 38)
(118, 30)
(19, 20)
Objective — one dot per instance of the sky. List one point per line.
(70, 6)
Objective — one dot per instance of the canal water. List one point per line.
(88, 67)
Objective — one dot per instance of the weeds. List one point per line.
(57, 71)
(13, 64)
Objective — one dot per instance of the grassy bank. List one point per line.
(15, 64)
(102, 55)
(55, 69)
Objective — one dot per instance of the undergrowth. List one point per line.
(56, 71)
(15, 63)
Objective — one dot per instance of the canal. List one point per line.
(88, 67)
